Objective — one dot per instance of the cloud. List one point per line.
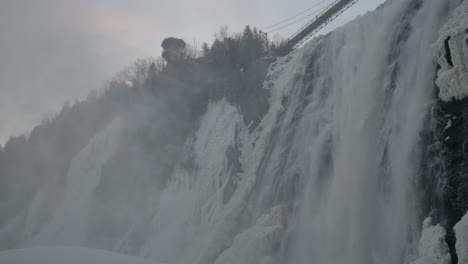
(52, 51)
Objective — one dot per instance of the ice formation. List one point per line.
(433, 248)
(69, 225)
(258, 243)
(461, 245)
(451, 52)
(328, 175)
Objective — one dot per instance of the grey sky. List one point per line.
(53, 51)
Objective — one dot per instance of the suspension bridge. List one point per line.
(320, 20)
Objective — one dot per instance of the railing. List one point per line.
(321, 20)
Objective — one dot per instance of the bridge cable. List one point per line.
(289, 19)
(298, 20)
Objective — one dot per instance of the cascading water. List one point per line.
(360, 206)
(329, 175)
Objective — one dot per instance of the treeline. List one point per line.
(236, 51)
(233, 66)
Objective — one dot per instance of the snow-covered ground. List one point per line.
(67, 255)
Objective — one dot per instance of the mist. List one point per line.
(84, 44)
(52, 52)
(123, 133)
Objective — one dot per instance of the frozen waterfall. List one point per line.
(329, 176)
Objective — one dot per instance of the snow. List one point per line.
(434, 250)
(427, 260)
(432, 243)
(452, 78)
(432, 247)
(461, 245)
(67, 255)
(449, 125)
(258, 243)
(129, 83)
(340, 118)
(191, 208)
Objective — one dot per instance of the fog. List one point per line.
(53, 51)
(234, 151)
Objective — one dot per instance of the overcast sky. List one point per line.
(53, 51)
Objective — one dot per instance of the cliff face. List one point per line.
(451, 52)
(450, 123)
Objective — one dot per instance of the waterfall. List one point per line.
(329, 176)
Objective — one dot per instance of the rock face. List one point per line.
(451, 52)
(173, 49)
(449, 152)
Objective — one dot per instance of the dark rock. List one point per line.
(173, 49)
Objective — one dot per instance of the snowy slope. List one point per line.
(67, 255)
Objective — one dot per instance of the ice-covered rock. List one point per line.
(434, 250)
(461, 246)
(258, 243)
(432, 241)
(432, 247)
(451, 52)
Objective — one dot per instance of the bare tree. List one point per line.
(223, 33)
(193, 49)
(277, 40)
(160, 64)
(138, 71)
